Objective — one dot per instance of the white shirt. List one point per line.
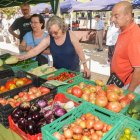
(112, 35)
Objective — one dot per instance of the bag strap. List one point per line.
(33, 39)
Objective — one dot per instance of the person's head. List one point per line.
(25, 9)
(46, 11)
(37, 22)
(97, 17)
(56, 26)
(122, 14)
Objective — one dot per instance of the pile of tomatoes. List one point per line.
(62, 76)
(111, 98)
(87, 127)
(33, 93)
(14, 83)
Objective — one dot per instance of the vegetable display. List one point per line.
(62, 76)
(110, 97)
(14, 83)
(134, 110)
(23, 96)
(87, 127)
(31, 117)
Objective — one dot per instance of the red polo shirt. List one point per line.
(127, 53)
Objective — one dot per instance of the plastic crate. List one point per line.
(56, 73)
(5, 72)
(6, 110)
(106, 116)
(64, 88)
(25, 66)
(127, 123)
(21, 133)
(42, 70)
(124, 110)
(76, 81)
(18, 74)
(58, 97)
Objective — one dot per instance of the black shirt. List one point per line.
(23, 25)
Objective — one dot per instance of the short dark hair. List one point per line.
(97, 16)
(41, 19)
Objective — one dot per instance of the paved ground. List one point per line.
(98, 65)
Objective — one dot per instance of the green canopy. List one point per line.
(10, 3)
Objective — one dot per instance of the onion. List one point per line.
(48, 113)
(42, 103)
(60, 112)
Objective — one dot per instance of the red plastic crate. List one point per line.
(22, 134)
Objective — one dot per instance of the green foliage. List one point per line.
(9, 10)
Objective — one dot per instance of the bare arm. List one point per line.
(13, 33)
(36, 50)
(80, 52)
(135, 79)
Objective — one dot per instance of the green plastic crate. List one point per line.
(25, 66)
(59, 71)
(78, 80)
(127, 123)
(70, 117)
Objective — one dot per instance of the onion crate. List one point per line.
(127, 123)
(106, 116)
(62, 75)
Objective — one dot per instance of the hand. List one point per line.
(20, 57)
(28, 48)
(87, 73)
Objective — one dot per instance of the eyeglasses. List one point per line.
(54, 32)
(35, 23)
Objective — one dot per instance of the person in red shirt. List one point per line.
(126, 58)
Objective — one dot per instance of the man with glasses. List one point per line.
(23, 24)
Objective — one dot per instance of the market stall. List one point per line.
(46, 103)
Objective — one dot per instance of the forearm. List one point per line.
(135, 80)
(13, 33)
(82, 58)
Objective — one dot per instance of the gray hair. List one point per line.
(58, 21)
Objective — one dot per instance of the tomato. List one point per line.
(8, 83)
(44, 90)
(130, 96)
(76, 91)
(101, 101)
(114, 106)
(98, 125)
(28, 81)
(112, 96)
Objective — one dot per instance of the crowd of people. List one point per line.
(122, 41)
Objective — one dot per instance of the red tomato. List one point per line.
(44, 90)
(130, 96)
(76, 91)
